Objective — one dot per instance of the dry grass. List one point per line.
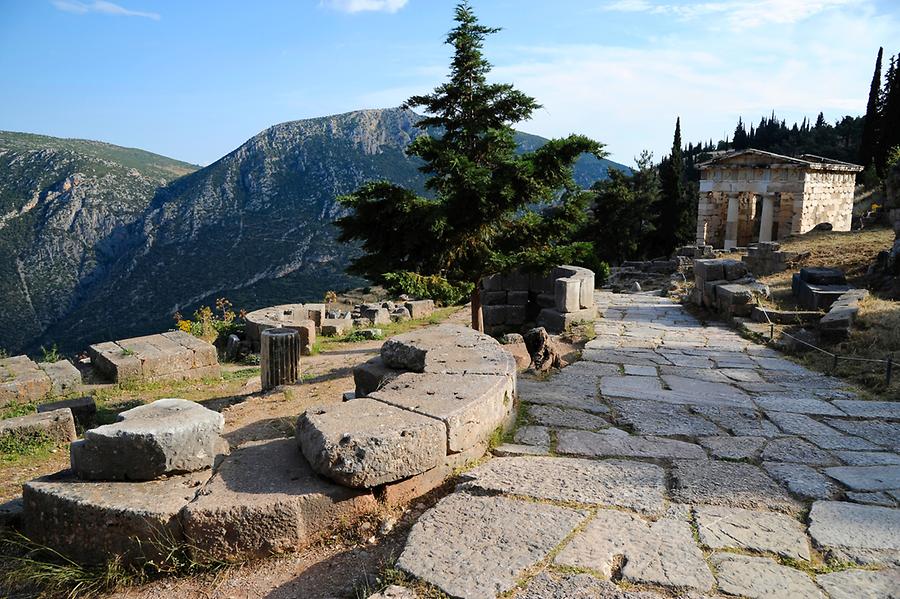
(876, 334)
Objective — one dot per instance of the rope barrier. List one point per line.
(889, 362)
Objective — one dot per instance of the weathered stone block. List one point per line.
(470, 407)
(92, 522)
(84, 409)
(372, 375)
(734, 269)
(556, 322)
(420, 308)
(21, 381)
(64, 377)
(333, 327)
(516, 281)
(265, 499)
(586, 297)
(364, 443)
(57, 426)
(493, 298)
(163, 437)
(494, 315)
(517, 298)
(568, 294)
(516, 315)
(708, 270)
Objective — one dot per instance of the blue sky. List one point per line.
(194, 79)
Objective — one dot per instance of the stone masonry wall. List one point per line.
(827, 198)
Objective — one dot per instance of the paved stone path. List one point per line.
(676, 459)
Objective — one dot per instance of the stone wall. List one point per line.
(827, 198)
(554, 300)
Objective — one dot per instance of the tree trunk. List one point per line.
(477, 316)
(279, 357)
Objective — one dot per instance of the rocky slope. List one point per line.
(253, 227)
(65, 206)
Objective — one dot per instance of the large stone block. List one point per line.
(556, 322)
(708, 270)
(449, 349)
(420, 308)
(493, 298)
(21, 381)
(494, 315)
(64, 377)
(471, 407)
(175, 355)
(586, 298)
(163, 437)
(93, 522)
(568, 294)
(364, 443)
(84, 409)
(265, 499)
(57, 426)
(372, 375)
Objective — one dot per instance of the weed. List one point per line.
(3, 353)
(359, 336)
(50, 355)
(29, 442)
(127, 352)
(16, 410)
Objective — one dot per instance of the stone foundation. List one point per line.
(175, 355)
(23, 381)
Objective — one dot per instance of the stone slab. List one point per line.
(372, 375)
(402, 492)
(84, 409)
(657, 418)
(801, 480)
(163, 437)
(93, 521)
(364, 443)
(395, 592)
(633, 485)
(564, 418)
(21, 381)
(886, 434)
(447, 349)
(662, 553)
(64, 377)
(613, 443)
(862, 584)
(477, 547)
(265, 499)
(860, 533)
(533, 435)
(553, 585)
(508, 450)
(576, 396)
(867, 478)
(733, 448)
(762, 578)
(739, 421)
(722, 527)
(57, 426)
(870, 409)
(793, 449)
(868, 458)
(729, 484)
(471, 407)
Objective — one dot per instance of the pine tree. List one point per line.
(677, 210)
(741, 139)
(482, 187)
(872, 125)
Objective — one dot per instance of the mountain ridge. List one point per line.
(254, 226)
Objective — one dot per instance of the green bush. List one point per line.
(433, 287)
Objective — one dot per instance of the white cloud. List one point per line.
(102, 7)
(354, 6)
(735, 14)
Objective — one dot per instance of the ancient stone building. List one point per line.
(747, 196)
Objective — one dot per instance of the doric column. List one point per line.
(766, 217)
(731, 222)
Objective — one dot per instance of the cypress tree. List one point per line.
(482, 187)
(871, 126)
(741, 139)
(890, 115)
(677, 209)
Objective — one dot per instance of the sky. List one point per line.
(194, 79)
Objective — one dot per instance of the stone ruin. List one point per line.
(24, 381)
(162, 476)
(766, 258)
(324, 319)
(554, 300)
(749, 196)
(725, 286)
(175, 355)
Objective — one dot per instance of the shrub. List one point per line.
(50, 355)
(433, 287)
(212, 324)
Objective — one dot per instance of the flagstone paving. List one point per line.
(676, 459)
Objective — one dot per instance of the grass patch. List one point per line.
(35, 569)
(27, 443)
(388, 330)
(240, 375)
(16, 410)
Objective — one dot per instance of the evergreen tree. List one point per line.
(482, 188)
(677, 209)
(890, 115)
(871, 127)
(741, 139)
(622, 228)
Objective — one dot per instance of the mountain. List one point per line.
(65, 205)
(255, 227)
